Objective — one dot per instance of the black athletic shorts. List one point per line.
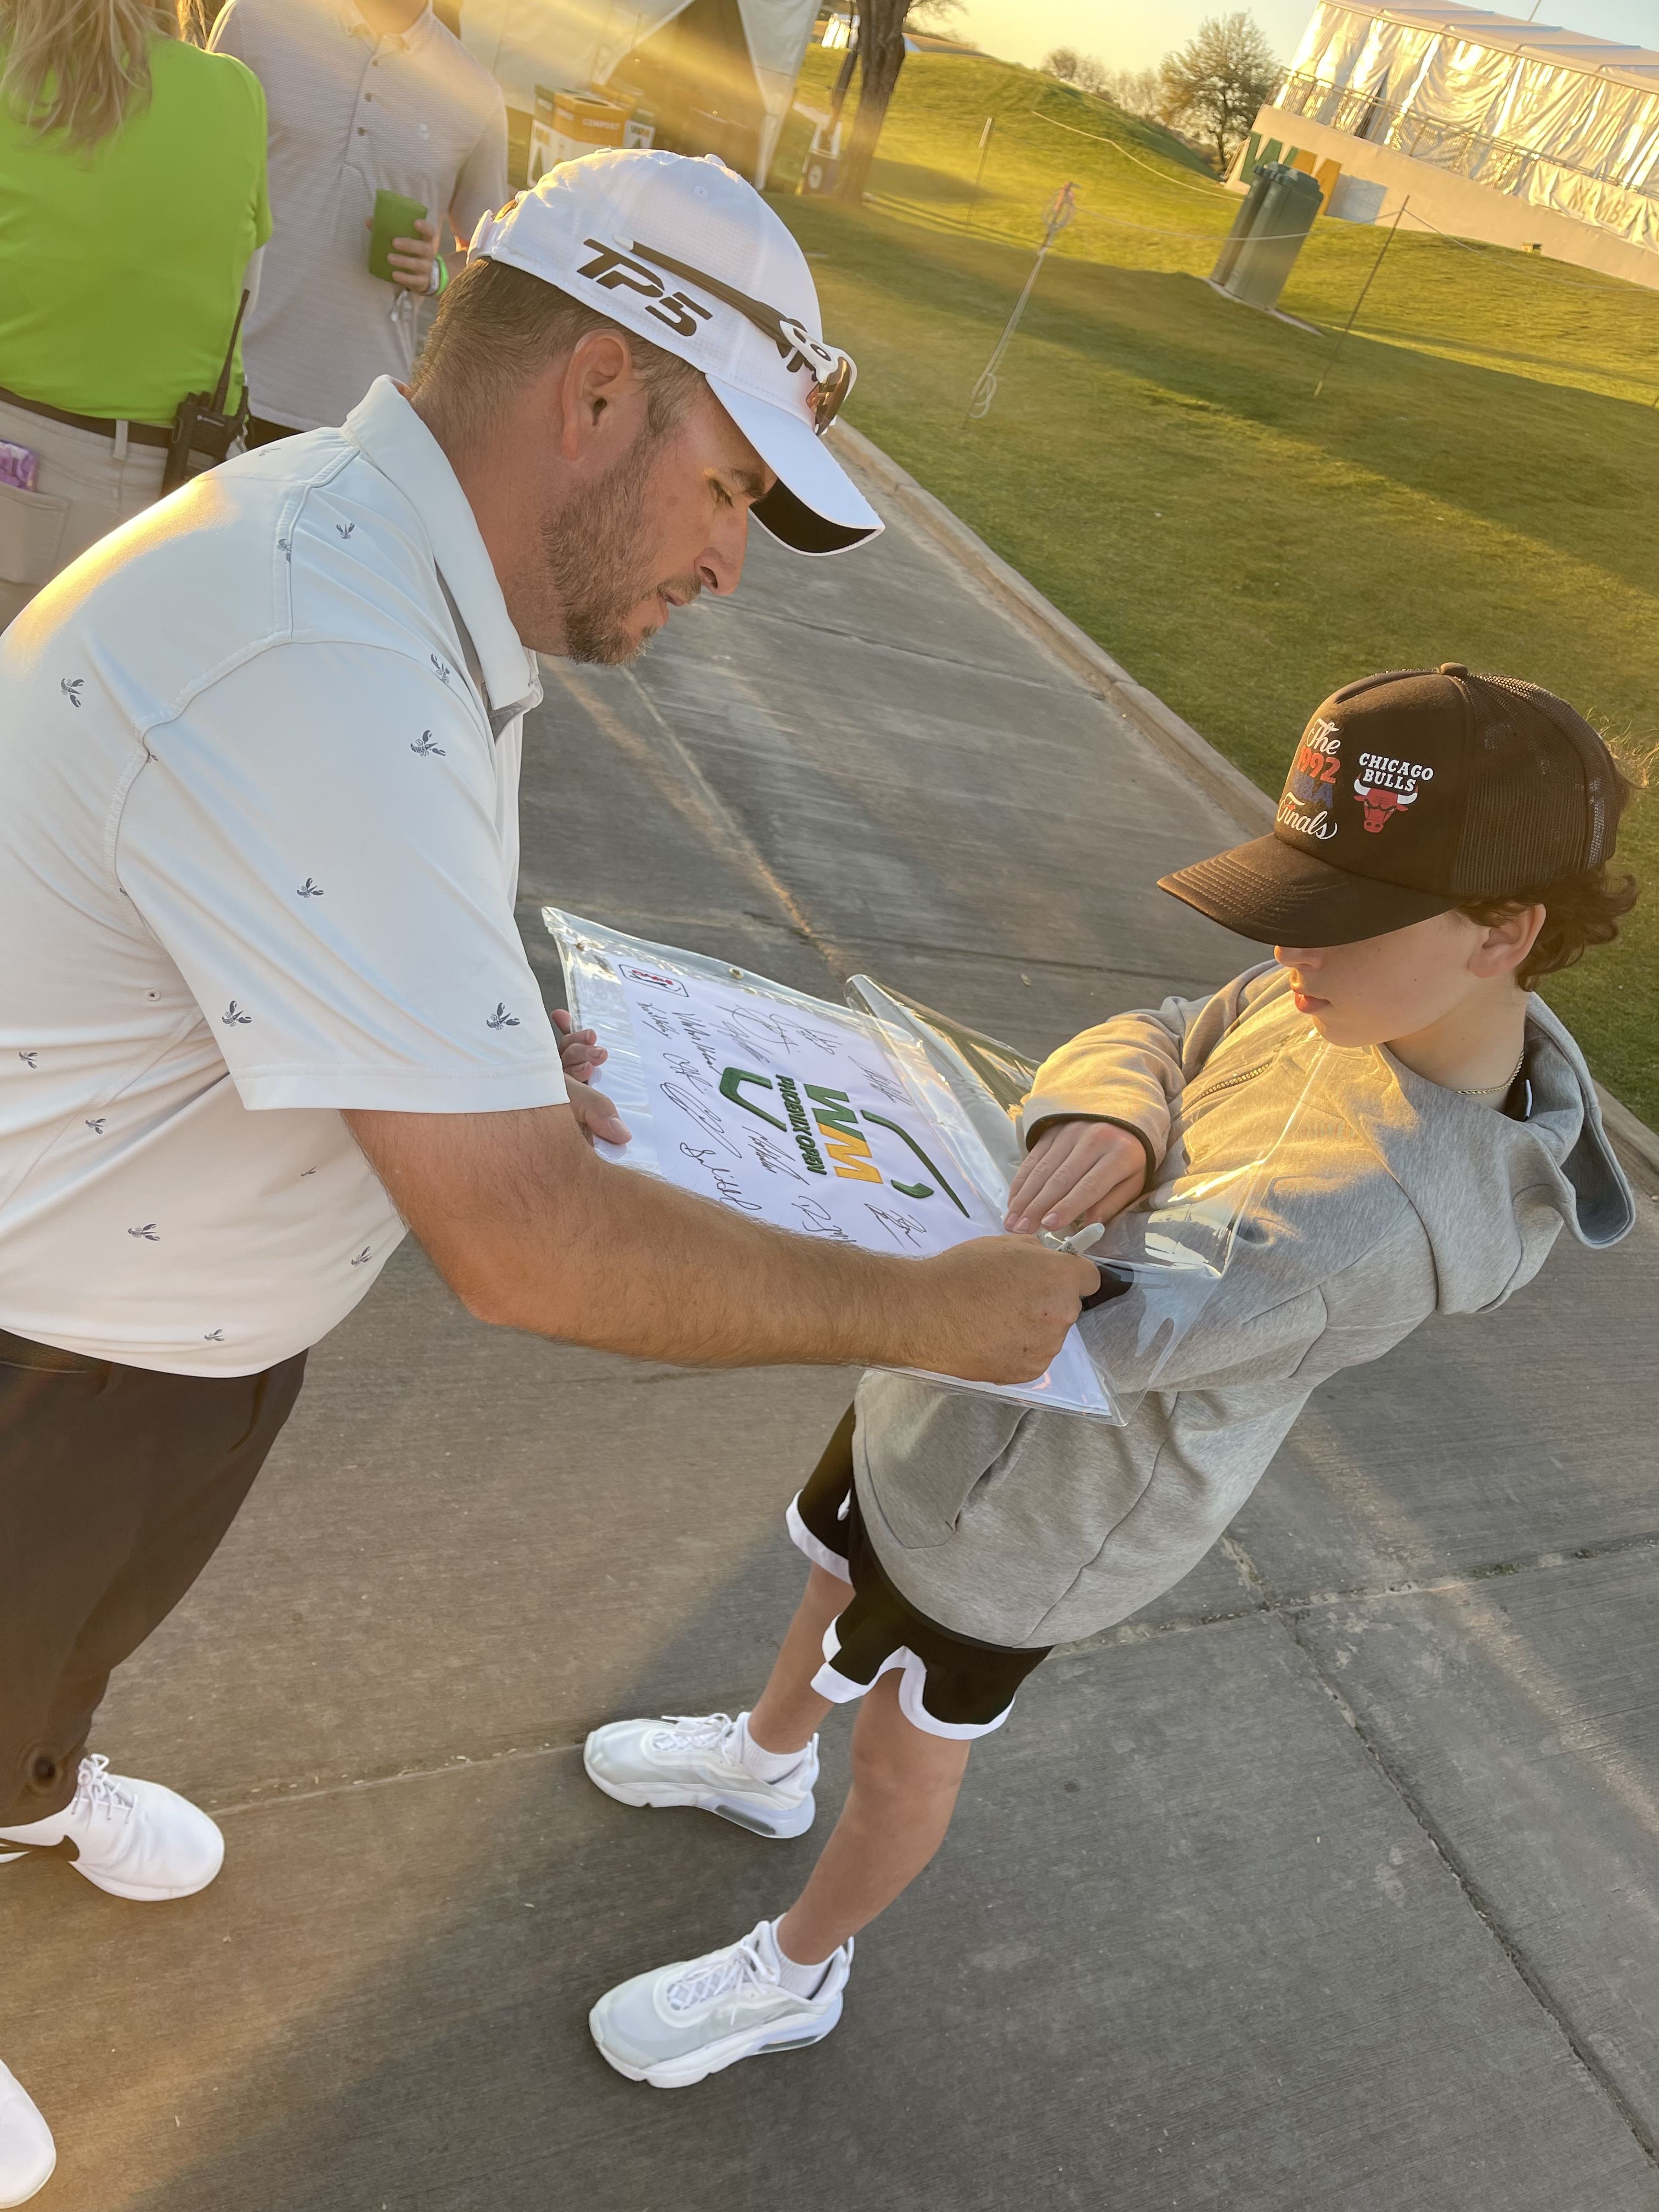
(948, 1685)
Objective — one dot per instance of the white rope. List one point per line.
(1152, 231)
(1100, 138)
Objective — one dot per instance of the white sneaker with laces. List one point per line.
(133, 1839)
(691, 2020)
(27, 2152)
(691, 1760)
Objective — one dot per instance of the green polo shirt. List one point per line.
(120, 268)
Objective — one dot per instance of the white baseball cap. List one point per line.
(688, 255)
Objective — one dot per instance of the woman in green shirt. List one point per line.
(132, 197)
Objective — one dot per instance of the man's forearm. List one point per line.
(551, 1240)
(643, 1267)
(534, 1233)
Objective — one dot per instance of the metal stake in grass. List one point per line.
(1360, 301)
(1061, 208)
(984, 149)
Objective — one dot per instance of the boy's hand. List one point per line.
(1076, 1172)
(579, 1053)
(595, 1114)
(580, 1050)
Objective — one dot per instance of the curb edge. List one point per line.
(1177, 740)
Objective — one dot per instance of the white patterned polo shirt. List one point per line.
(258, 858)
(351, 114)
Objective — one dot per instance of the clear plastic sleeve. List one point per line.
(883, 1124)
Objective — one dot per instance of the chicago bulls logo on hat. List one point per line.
(1386, 787)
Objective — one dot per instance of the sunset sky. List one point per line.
(1128, 34)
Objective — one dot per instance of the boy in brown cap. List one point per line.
(1441, 845)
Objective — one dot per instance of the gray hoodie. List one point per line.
(1391, 1199)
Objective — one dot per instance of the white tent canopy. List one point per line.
(1553, 117)
(578, 43)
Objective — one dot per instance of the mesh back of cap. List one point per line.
(1541, 799)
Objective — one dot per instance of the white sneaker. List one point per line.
(133, 1839)
(27, 2152)
(691, 2020)
(692, 1759)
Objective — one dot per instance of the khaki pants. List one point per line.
(80, 491)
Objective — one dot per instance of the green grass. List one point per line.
(1476, 482)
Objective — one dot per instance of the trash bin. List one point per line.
(1259, 252)
(569, 124)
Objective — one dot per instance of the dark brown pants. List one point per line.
(117, 1486)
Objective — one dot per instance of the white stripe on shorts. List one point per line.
(841, 1691)
(820, 1554)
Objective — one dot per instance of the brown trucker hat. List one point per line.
(1411, 793)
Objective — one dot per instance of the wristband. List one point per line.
(438, 283)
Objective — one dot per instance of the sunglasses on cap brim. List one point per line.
(833, 371)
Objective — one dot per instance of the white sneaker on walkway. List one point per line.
(133, 1839)
(691, 2020)
(692, 1759)
(27, 2152)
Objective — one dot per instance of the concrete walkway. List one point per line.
(1329, 1885)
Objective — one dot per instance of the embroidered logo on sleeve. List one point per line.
(234, 1014)
(30, 1055)
(71, 688)
(425, 746)
(150, 1232)
(501, 1019)
(308, 889)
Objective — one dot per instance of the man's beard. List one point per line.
(596, 564)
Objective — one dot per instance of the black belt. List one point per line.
(138, 434)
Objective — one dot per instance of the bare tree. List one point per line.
(1216, 81)
(1137, 91)
(881, 29)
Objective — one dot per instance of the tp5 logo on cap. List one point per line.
(688, 255)
(608, 269)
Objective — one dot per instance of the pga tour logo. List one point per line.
(654, 977)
